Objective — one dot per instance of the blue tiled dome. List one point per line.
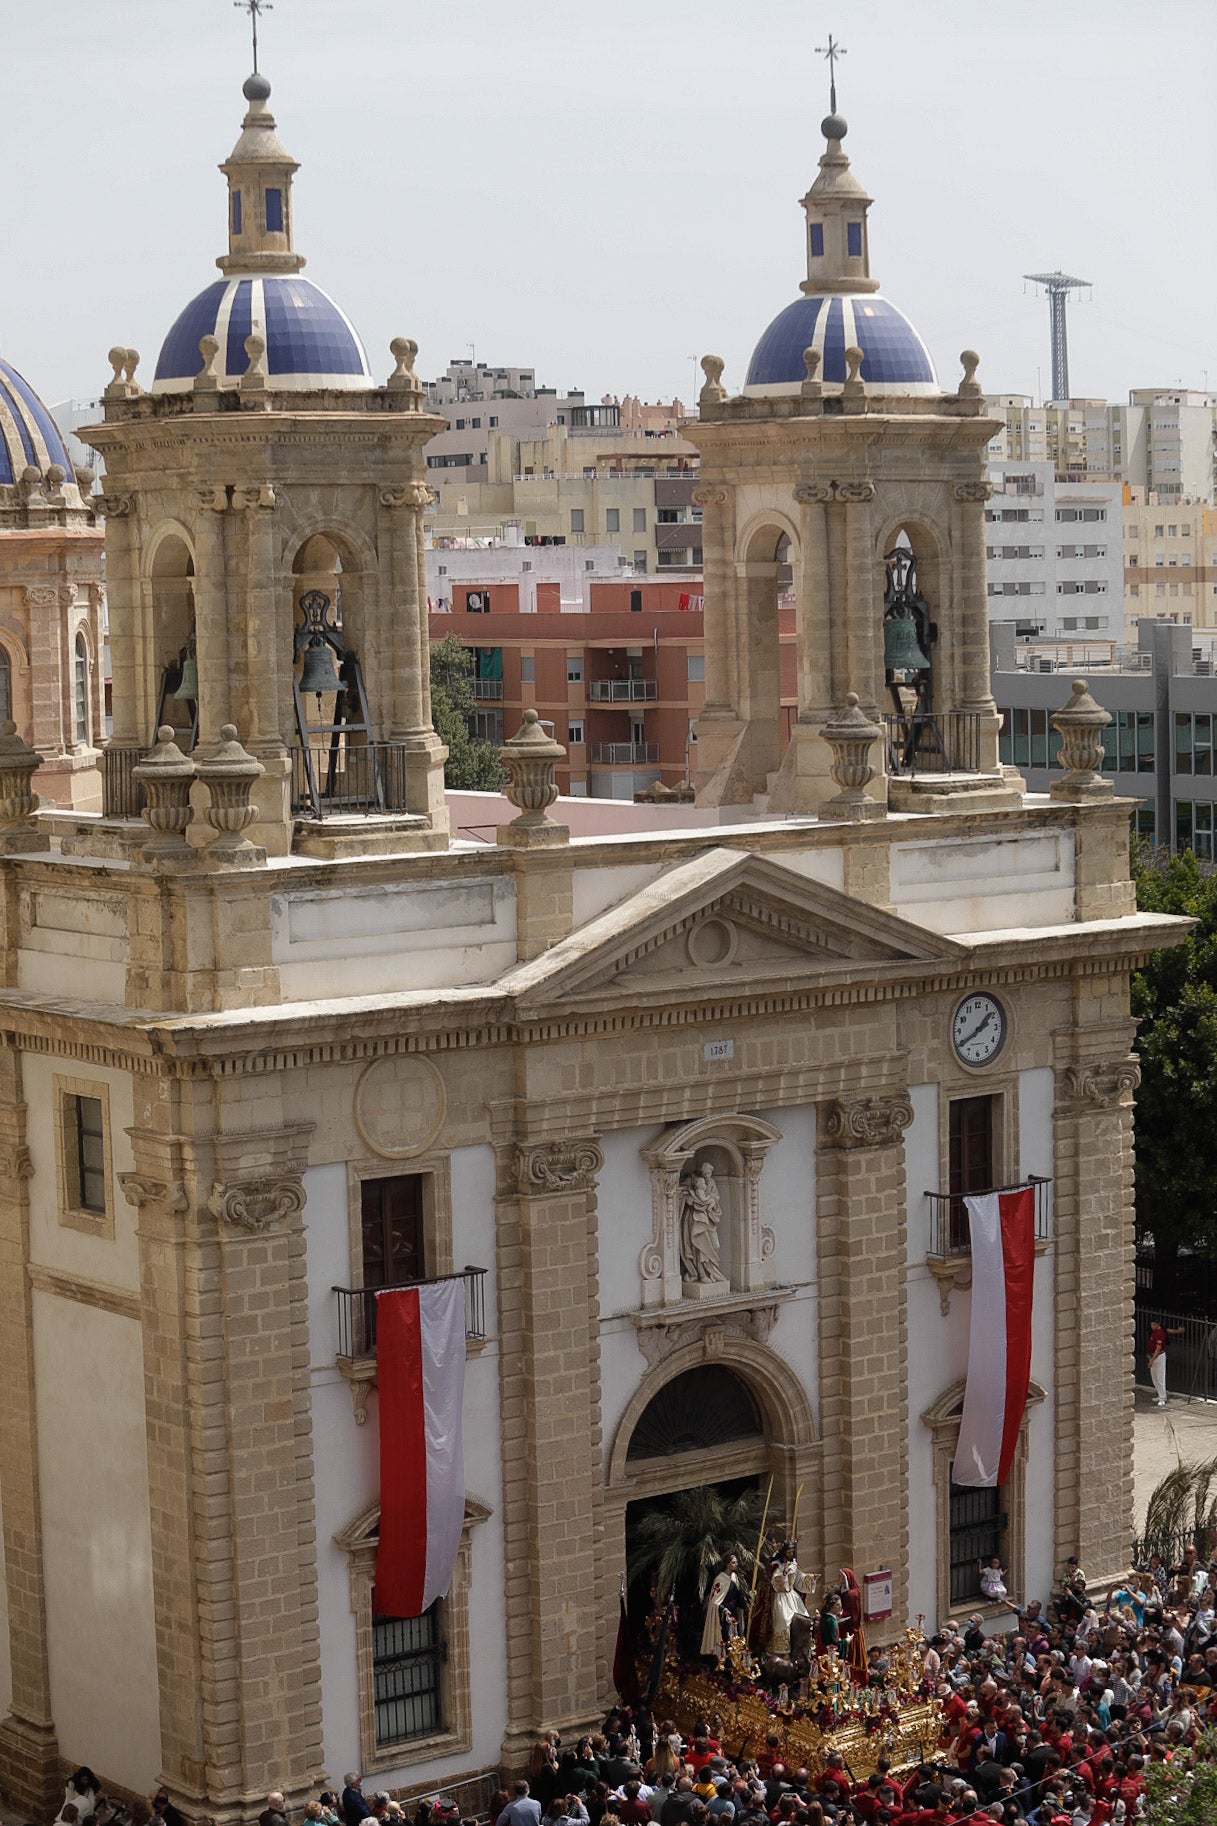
(310, 342)
(895, 360)
(28, 433)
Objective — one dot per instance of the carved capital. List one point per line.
(709, 497)
(139, 1189)
(557, 1166)
(113, 506)
(262, 496)
(413, 494)
(1102, 1084)
(258, 1205)
(15, 1163)
(213, 500)
(973, 491)
(847, 493)
(41, 596)
(868, 1122)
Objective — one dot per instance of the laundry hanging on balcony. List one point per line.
(420, 1376)
(999, 1344)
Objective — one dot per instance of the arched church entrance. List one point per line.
(697, 1451)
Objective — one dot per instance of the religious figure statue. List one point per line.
(726, 1603)
(701, 1213)
(788, 1584)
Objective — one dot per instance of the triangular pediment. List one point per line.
(725, 918)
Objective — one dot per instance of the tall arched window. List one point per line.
(6, 686)
(82, 689)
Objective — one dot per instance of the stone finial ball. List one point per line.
(165, 733)
(256, 87)
(531, 717)
(851, 699)
(228, 732)
(833, 126)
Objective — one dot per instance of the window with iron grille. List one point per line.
(978, 1527)
(407, 1662)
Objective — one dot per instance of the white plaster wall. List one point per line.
(827, 866)
(73, 944)
(433, 935)
(596, 890)
(928, 1376)
(346, 1458)
(97, 1549)
(1036, 1096)
(112, 1263)
(986, 884)
(788, 1207)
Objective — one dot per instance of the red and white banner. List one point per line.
(999, 1345)
(420, 1378)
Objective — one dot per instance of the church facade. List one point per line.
(689, 1100)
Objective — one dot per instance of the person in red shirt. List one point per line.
(1155, 1350)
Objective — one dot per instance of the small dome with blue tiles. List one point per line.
(309, 342)
(29, 436)
(841, 307)
(894, 358)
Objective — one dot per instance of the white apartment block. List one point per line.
(1162, 441)
(1055, 552)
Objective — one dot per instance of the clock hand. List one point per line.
(976, 1031)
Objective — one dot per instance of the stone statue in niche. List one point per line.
(701, 1215)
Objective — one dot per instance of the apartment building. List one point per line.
(1055, 552)
(616, 665)
(1170, 559)
(1161, 441)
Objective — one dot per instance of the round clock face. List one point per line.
(978, 1029)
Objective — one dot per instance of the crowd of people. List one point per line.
(1050, 1716)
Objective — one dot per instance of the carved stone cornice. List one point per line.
(1101, 1084)
(808, 493)
(140, 1189)
(665, 1329)
(258, 1205)
(557, 1166)
(868, 1122)
(973, 491)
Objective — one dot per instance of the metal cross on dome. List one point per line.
(255, 8)
(832, 50)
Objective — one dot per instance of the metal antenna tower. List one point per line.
(1058, 285)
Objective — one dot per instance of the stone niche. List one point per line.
(733, 1148)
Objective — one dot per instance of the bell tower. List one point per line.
(843, 503)
(264, 502)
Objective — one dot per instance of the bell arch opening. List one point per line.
(172, 579)
(337, 762)
(767, 580)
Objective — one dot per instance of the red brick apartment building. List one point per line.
(622, 681)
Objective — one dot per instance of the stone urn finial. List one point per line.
(18, 804)
(229, 774)
(851, 735)
(166, 778)
(812, 386)
(969, 386)
(1081, 724)
(403, 379)
(530, 760)
(713, 393)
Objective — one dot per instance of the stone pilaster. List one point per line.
(29, 1751)
(48, 653)
(556, 1617)
(1093, 1214)
(861, 1224)
(221, 664)
(971, 631)
(225, 1332)
(130, 667)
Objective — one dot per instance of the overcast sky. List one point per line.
(605, 191)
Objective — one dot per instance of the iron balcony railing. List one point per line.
(121, 795)
(623, 690)
(949, 1229)
(945, 743)
(622, 754)
(335, 775)
(356, 1308)
(487, 689)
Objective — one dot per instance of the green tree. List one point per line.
(683, 1543)
(1175, 1000)
(472, 765)
(1183, 1792)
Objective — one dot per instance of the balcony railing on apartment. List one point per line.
(950, 1233)
(945, 743)
(356, 1310)
(622, 690)
(487, 690)
(622, 754)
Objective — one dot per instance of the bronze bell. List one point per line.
(901, 652)
(188, 685)
(319, 673)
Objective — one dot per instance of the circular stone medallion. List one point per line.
(400, 1105)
